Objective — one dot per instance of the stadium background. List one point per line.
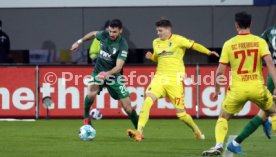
(45, 26)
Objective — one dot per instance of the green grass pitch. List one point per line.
(163, 138)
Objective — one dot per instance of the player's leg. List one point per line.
(272, 112)
(94, 87)
(175, 91)
(221, 130)
(250, 127)
(232, 103)
(267, 125)
(89, 100)
(153, 92)
(132, 115)
(118, 91)
(137, 135)
(144, 114)
(265, 101)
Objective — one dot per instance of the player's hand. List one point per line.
(102, 75)
(148, 55)
(217, 92)
(75, 46)
(214, 53)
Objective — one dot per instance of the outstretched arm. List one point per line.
(87, 37)
(200, 48)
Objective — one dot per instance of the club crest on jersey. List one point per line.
(170, 44)
(114, 50)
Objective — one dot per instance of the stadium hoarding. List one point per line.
(67, 86)
(17, 92)
(67, 89)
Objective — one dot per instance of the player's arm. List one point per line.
(271, 69)
(87, 37)
(219, 74)
(202, 49)
(121, 58)
(223, 63)
(151, 56)
(119, 65)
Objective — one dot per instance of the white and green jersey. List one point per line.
(269, 36)
(110, 52)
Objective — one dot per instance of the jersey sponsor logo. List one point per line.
(124, 53)
(105, 54)
(165, 53)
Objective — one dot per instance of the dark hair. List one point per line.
(116, 23)
(243, 19)
(163, 23)
(106, 24)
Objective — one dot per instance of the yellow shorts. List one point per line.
(162, 87)
(236, 97)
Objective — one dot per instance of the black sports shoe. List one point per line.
(214, 151)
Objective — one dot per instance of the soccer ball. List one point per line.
(87, 133)
(96, 114)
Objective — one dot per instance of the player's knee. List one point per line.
(127, 108)
(151, 96)
(181, 115)
(91, 95)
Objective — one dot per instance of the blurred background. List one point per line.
(42, 32)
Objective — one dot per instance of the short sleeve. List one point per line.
(185, 43)
(100, 35)
(264, 49)
(123, 52)
(224, 58)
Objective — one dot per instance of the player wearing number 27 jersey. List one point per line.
(244, 52)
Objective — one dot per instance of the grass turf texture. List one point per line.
(163, 138)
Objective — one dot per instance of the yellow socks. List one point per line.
(273, 122)
(188, 120)
(221, 130)
(144, 114)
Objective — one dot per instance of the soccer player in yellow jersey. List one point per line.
(168, 52)
(244, 52)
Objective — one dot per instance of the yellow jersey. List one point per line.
(169, 54)
(244, 53)
(94, 49)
